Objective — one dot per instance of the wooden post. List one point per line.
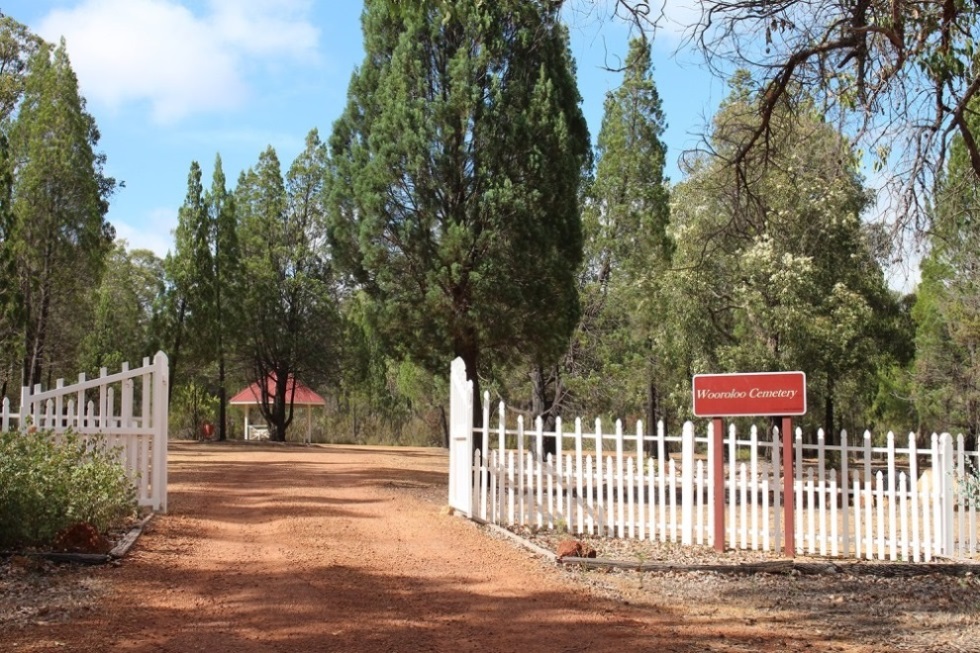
(789, 500)
(718, 481)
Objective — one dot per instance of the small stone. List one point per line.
(569, 549)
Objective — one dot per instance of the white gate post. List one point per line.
(460, 439)
(161, 427)
(687, 484)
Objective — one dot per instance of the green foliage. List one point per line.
(126, 306)
(453, 188)
(776, 272)
(191, 406)
(58, 237)
(616, 359)
(947, 308)
(291, 321)
(49, 482)
(401, 404)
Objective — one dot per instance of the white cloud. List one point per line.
(158, 51)
(677, 19)
(155, 233)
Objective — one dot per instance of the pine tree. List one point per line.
(58, 236)
(627, 250)
(455, 180)
(225, 307)
(291, 322)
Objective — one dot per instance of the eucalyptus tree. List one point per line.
(455, 177)
(946, 376)
(778, 274)
(896, 76)
(291, 325)
(58, 236)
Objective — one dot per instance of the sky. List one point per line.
(174, 81)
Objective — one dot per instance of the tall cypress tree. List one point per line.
(291, 323)
(187, 276)
(205, 280)
(455, 180)
(58, 237)
(226, 281)
(626, 250)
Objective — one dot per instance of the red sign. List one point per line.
(753, 394)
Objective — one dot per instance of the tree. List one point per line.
(896, 76)
(612, 363)
(290, 321)
(900, 75)
(781, 276)
(125, 310)
(947, 309)
(188, 277)
(58, 236)
(454, 181)
(17, 45)
(226, 285)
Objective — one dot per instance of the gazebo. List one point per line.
(302, 396)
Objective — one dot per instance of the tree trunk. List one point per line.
(544, 406)
(445, 426)
(830, 436)
(222, 415)
(652, 413)
(469, 350)
(36, 337)
(175, 355)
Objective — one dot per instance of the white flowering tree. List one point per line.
(774, 271)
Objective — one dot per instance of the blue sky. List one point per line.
(175, 81)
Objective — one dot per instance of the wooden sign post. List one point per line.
(755, 394)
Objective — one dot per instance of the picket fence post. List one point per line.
(460, 439)
(946, 501)
(687, 484)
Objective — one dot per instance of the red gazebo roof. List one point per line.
(303, 397)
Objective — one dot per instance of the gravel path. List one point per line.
(334, 548)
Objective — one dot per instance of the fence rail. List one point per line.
(850, 500)
(127, 408)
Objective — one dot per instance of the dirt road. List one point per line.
(351, 549)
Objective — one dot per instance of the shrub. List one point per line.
(49, 482)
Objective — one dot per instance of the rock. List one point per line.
(574, 549)
(569, 549)
(81, 538)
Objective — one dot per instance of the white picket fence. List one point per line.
(128, 409)
(865, 505)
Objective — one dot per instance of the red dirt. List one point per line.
(335, 548)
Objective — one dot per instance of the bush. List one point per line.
(49, 482)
